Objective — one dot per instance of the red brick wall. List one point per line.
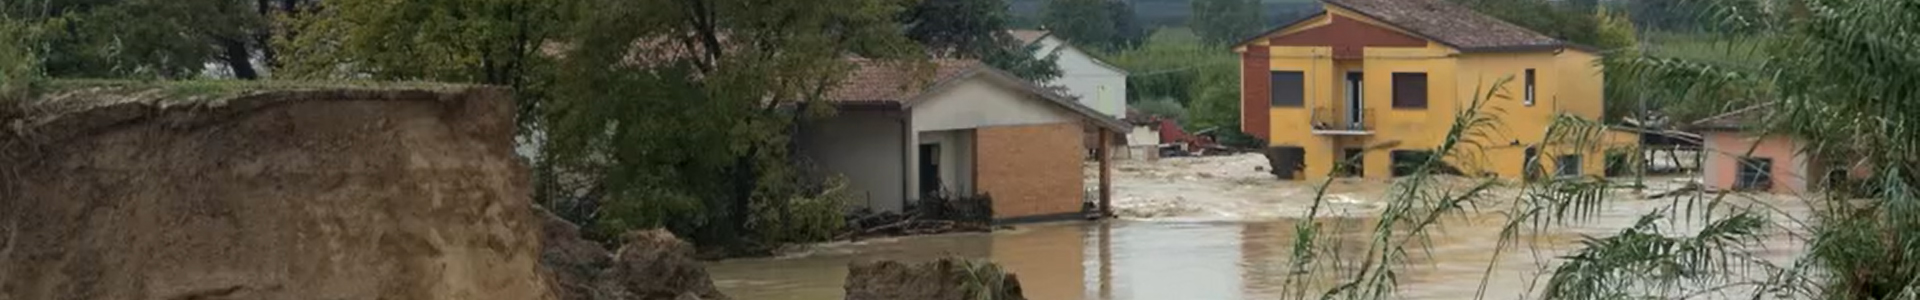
(1254, 91)
(1030, 170)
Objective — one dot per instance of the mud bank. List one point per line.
(650, 264)
(943, 279)
(167, 192)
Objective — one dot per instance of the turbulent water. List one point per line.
(1208, 228)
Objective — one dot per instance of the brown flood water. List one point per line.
(1146, 259)
(1211, 229)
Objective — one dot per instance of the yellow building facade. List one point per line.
(1371, 84)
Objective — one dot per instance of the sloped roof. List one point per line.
(883, 83)
(1444, 22)
(1739, 119)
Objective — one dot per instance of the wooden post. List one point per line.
(1105, 153)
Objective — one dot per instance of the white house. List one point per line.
(1095, 83)
(1092, 82)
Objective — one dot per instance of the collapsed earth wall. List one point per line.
(300, 193)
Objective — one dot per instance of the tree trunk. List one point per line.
(238, 59)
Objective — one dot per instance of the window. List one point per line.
(1409, 90)
(1755, 173)
(1529, 97)
(1567, 165)
(1408, 162)
(1288, 88)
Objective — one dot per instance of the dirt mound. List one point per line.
(358, 193)
(650, 265)
(944, 279)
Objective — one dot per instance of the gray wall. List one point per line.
(866, 147)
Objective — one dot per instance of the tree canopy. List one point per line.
(1103, 24)
(1221, 22)
(977, 29)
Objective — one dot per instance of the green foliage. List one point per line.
(678, 114)
(1163, 108)
(19, 65)
(803, 217)
(1222, 22)
(1104, 24)
(977, 29)
(1175, 65)
(479, 41)
(982, 280)
(144, 38)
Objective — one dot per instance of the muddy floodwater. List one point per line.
(1211, 228)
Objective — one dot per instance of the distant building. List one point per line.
(1739, 158)
(1390, 75)
(1093, 82)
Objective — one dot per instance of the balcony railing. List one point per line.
(1326, 121)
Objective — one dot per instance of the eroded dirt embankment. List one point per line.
(357, 193)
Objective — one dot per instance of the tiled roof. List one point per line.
(886, 81)
(1736, 120)
(1444, 22)
(1028, 36)
(1451, 24)
(900, 83)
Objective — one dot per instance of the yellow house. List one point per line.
(1375, 81)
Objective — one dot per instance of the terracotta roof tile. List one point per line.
(888, 81)
(1735, 120)
(1451, 24)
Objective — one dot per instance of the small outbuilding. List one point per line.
(1739, 158)
(899, 136)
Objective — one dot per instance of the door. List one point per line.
(1353, 162)
(1355, 92)
(929, 169)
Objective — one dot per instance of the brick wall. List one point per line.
(1254, 90)
(1030, 170)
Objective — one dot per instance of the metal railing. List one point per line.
(1326, 119)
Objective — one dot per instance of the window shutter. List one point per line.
(1409, 90)
(1289, 89)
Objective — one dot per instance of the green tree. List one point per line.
(146, 38)
(1105, 24)
(681, 110)
(648, 113)
(977, 29)
(1221, 22)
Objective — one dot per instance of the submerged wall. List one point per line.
(300, 193)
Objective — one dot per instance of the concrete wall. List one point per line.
(1725, 148)
(1144, 136)
(1030, 170)
(1097, 85)
(869, 148)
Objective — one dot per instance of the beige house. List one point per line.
(1738, 157)
(970, 129)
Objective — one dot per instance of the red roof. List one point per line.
(894, 81)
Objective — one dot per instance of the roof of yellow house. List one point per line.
(1444, 22)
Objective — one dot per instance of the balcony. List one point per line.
(1346, 122)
